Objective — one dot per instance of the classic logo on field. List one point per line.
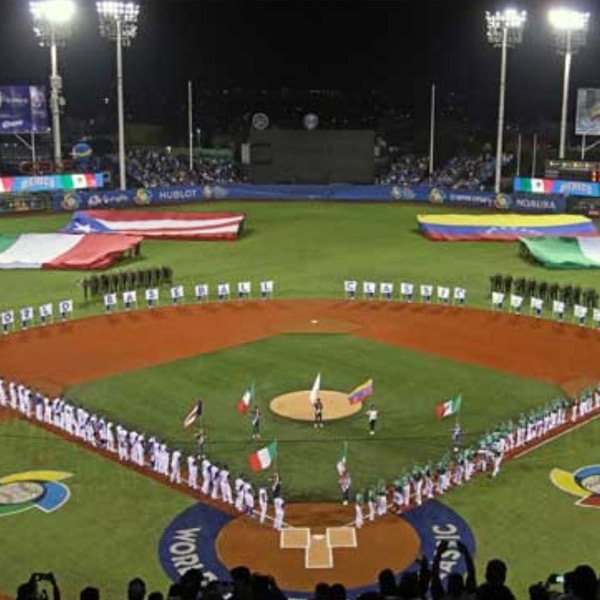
(502, 202)
(43, 490)
(142, 197)
(436, 196)
(189, 542)
(584, 483)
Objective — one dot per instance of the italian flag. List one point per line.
(448, 408)
(62, 250)
(244, 402)
(261, 460)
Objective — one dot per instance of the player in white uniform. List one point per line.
(263, 500)
(226, 485)
(358, 509)
(175, 476)
(110, 437)
(239, 493)
(12, 393)
(279, 506)
(248, 499)
(192, 469)
(214, 481)
(205, 475)
(3, 396)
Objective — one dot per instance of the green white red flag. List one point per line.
(245, 400)
(263, 458)
(449, 407)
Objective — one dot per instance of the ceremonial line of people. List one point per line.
(461, 464)
(411, 489)
(131, 446)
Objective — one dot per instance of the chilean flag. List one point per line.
(159, 225)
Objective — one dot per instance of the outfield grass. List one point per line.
(307, 248)
(524, 519)
(157, 399)
(105, 535)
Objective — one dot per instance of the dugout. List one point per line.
(317, 156)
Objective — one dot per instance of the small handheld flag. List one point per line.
(245, 400)
(314, 393)
(449, 407)
(263, 458)
(358, 394)
(193, 415)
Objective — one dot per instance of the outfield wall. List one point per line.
(514, 202)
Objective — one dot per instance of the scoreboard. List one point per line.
(574, 170)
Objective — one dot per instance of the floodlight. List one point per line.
(118, 23)
(509, 21)
(116, 15)
(570, 28)
(51, 20)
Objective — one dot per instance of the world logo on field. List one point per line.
(584, 483)
(43, 490)
(205, 537)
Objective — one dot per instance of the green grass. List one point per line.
(105, 535)
(157, 399)
(307, 248)
(524, 519)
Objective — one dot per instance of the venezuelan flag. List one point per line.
(358, 394)
(503, 227)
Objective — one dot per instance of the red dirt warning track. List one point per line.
(64, 354)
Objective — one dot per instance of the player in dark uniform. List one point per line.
(256, 424)
(318, 408)
(275, 485)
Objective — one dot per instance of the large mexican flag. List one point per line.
(63, 250)
(565, 252)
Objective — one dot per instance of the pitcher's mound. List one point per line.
(296, 405)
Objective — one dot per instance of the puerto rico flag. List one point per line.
(159, 225)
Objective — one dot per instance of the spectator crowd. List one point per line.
(426, 581)
(459, 173)
(155, 168)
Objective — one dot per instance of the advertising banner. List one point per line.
(587, 119)
(587, 189)
(515, 202)
(23, 109)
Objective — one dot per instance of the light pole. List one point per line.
(118, 22)
(570, 32)
(504, 30)
(51, 25)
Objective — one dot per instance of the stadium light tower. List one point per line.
(118, 22)
(504, 30)
(52, 27)
(570, 33)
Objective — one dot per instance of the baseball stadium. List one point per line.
(311, 364)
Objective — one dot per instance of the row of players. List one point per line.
(411, 489)
(460, 465)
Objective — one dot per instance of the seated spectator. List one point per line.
(494, 587)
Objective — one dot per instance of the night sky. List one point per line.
(398, 47)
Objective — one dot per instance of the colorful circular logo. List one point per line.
(70, 201)
(502, 202)
(584, 483)
(33, 489)
(436, 196)
(142, 197)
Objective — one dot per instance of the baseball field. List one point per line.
(146, 368)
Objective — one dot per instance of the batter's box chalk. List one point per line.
(341, 537)
(294, 537)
